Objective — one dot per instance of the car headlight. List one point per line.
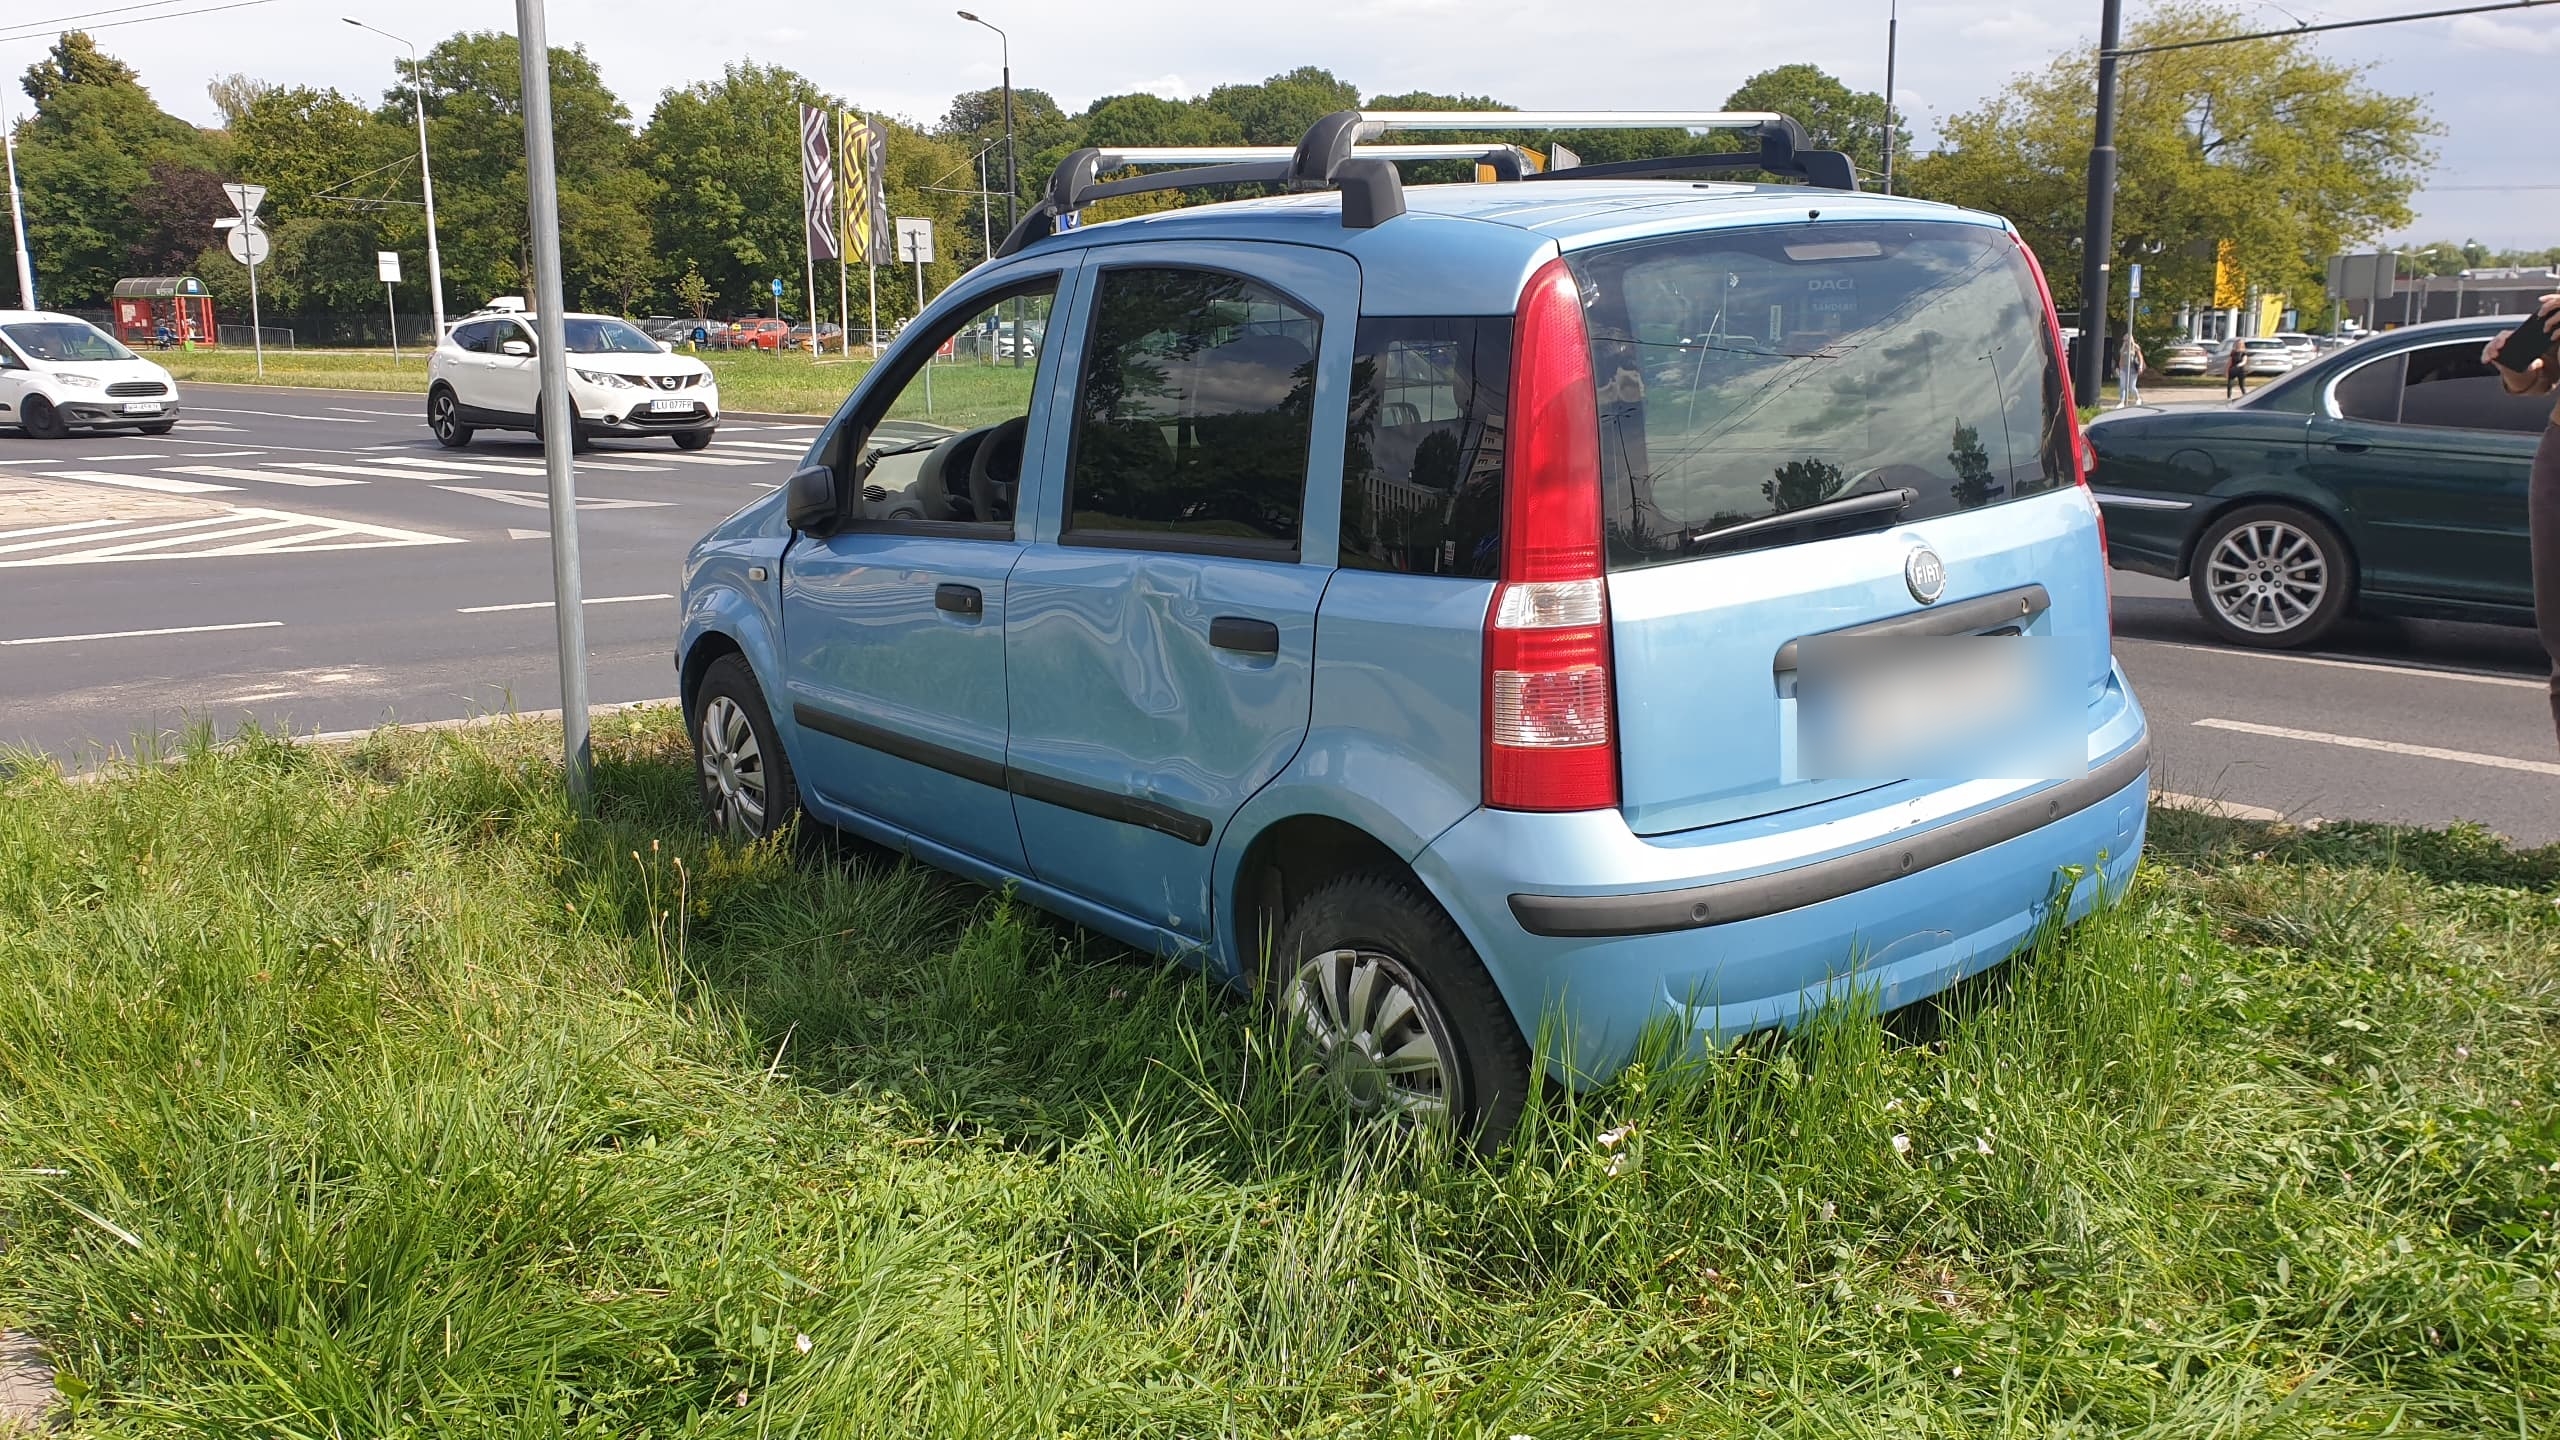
(608, 380)
(77, 382)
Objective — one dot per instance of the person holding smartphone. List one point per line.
(2539, 374)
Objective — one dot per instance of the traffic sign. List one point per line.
(249, 245)
(777, 289)
(245, 198)
(915, 239)
(386, 263)
(2136, 292)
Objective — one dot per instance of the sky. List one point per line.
(2497, 178)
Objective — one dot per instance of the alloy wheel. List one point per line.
(2267, 577)
(733, 775)
(1380, 1037)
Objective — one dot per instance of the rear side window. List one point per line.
(1422, 452)
(1747, 373)
(2371, 391)
(1194, 414)
(2450, 387)
(477, 337)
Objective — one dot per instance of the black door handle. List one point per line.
(2351, 447)
(1246, 635)
(959, 600)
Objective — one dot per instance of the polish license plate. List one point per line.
(142, 407)
(670, 407)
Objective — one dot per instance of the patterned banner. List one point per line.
(817, 184)
(866, 198)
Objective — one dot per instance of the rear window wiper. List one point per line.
(1881, 505)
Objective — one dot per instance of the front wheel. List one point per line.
(2272, 576)
(444, 417)
(1381, 986)
(40, 420)
(162, 428)
(748, 791)
(693, 440)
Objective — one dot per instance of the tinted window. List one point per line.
(947, 445)
(65, 341)
(473, 337)
(2371, 391)
(605, 337)
(1193, 416)
(2449, 386)
(1746, 373)
(1422, 453)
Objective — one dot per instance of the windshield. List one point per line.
(1746, 373)
(588, 336)
(63, 341)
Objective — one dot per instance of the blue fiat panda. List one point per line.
(1460, 612)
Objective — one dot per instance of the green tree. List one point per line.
(104, 172)
(1279, 110)
(726, 154)
(75, 59)
(342, 183)
(2286, 155)
(1834, 116)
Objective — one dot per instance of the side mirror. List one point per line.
(812, 502)
(517, 348)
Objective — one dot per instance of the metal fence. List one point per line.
(275, 337)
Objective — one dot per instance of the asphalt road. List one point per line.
(312, 560)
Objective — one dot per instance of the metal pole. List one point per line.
(427, 187)
(18, 213)
(257, 327)
(392, 308)
(2099, 238)
(916, 251)
(542, 202)
(1892, 37)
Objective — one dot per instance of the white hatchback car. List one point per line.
(59, 372)
(622, 384)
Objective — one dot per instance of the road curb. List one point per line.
(761, 417)
(26, 1386)
(120, 765)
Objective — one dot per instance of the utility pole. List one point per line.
(2099, 239)
(559, 421)
(1892, 42)
(18, 213)
(426, 172)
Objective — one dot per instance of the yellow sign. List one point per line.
(2230, 285)
(2271, 310)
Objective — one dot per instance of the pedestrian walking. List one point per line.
(2129, 368)
(2235, 369)
(2542, 498)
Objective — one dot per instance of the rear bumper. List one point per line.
(1910, 901)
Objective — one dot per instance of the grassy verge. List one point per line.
(749, 381)
(369, 1093)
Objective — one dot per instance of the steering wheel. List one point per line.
(983, 484)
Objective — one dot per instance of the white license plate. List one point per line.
(142, 407)
(669, 407)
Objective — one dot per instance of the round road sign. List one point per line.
(249, 245)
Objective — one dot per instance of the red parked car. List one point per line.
(758, 334)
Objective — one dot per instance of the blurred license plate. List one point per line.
(1952, 707)
(669, 407)
(142, 407)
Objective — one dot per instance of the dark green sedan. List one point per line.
(2386, 479)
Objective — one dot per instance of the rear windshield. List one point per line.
(1744, 374)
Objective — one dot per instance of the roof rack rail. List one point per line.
(1340, 152)
(1333, 144)
(1077, 181)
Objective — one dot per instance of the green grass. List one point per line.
(368, 1093)
(749, 380)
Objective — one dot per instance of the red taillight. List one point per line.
(1550, 732)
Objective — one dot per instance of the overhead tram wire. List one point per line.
(88, 15)
(53, 28)
(2123, 51)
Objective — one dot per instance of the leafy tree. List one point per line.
(75, 60)
(694, 292)
(342, 183)
(1121, 120)
(86, 158)
(173, 213)
(1974, 485)
(1800, 483)
(1279, 110)
(234, 93)
(726, 153)
(2288, 156)
(1834, 116)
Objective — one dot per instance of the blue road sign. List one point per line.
(777, 289)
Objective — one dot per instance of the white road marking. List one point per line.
(141, 634)
(245, 525)
(2388, 747)
(2420, 672)
(140, 482)
(243, 530)
(515, 534)
(683, 458)
(536, 500)
(376, 472)
(147, 455)
(53, 529)
(545, 604)
(781, 446)
(272, 415)
(199, 523)
(271, 477)
(473, 467)
(392, 414)
(2207, 805)
(208, 454)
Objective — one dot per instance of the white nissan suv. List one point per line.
(622, 384)
(60, 371)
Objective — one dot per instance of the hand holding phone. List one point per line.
(2530, 341)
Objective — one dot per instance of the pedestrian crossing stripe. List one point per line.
(691, 459)
(140, 482)
(272, 477)
(246, 530)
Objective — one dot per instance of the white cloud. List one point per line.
(2509, 37)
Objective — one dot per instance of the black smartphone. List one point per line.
(2530, 342)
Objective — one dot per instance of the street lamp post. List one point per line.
(2099, 237)
(426, 173)
(1012, 191)
(18, 215)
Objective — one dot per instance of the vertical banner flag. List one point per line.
(866, 200)
(818, 183)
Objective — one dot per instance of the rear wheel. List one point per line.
(693, 440)
(1379, 983)
(444, 417)
(748, 791)
(2271, 576)
(40, 420)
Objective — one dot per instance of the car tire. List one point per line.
(748, 790)
(41, 421)
(162, 428)
(693, 440)
(444, 417)
(2271, 577)
(1370, 949)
